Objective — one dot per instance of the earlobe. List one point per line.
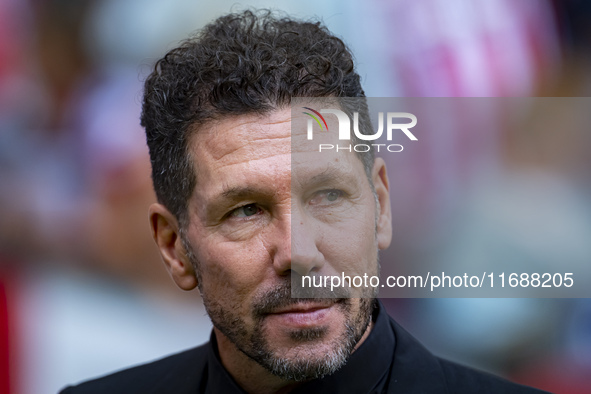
(382, 188)
(165, 231)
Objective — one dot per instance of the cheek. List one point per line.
(351, 246)
(232, 271)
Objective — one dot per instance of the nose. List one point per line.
(299, 247)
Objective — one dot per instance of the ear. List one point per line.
(382, 187)
(165, 231)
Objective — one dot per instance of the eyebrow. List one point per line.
(237, 193)
(221, 202)
(240, 192)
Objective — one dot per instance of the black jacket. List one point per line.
(389, 361)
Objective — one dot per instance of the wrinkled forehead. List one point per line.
(240, 137)
(268, 153)
(254, 136)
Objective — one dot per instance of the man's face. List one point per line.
(262, 209)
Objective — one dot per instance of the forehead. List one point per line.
(229, 139)
(274, 143)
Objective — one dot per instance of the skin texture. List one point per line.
(267, 204)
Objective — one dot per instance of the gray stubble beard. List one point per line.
(256, 345)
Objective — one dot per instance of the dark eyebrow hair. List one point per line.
(238, 192)
(217, 205)
(328, 175)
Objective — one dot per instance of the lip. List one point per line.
(303, 315)
(302, 308)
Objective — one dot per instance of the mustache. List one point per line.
(284, 295)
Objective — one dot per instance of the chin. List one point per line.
(313, 353)
(305, 353)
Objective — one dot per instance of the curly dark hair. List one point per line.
(251, 62)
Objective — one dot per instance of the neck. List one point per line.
(250, 375)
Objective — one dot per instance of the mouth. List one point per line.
(303, 307)
(303, 314)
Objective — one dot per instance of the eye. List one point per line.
(246, 211)
(327, 197)
(333, 195)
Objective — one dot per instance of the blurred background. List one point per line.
(82, 288)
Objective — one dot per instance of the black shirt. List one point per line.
(355, 377)
(389, 361)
